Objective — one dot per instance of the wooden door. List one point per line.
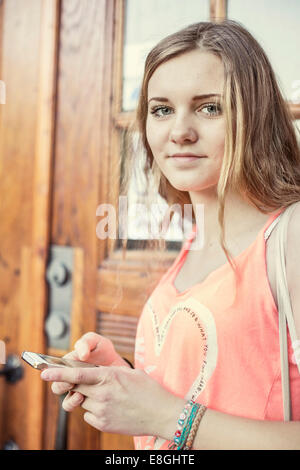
(62, 130)
(56, 58)
(56, 166)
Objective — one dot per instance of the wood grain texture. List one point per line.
(218, 10)
(28, 44)
(37, 294)
(294, 109)
(82, 164)
(2, 382)
(120, 329)
(114, 58)
(78, 429)
(51, 407)
(125, 285)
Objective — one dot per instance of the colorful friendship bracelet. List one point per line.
(187, 425)
(194, 428)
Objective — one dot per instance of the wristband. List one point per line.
(190, 439)
(187, 426)
(184, 425)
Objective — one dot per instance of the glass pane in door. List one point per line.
(146, 23)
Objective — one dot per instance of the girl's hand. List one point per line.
(96, 349)
(121, 400)
(92, 348)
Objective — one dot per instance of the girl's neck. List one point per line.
(240, 216)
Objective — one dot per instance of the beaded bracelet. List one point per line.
(184, 425)
(180, 424)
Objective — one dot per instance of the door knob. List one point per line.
(57, 273)
(56, 326)
(13, 370)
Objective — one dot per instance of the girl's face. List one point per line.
(185, 118)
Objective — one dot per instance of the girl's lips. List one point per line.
(185, 155)
(185, 158)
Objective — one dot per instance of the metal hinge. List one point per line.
(59, 277)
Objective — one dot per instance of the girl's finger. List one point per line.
(72, 355)
(86, 344)
(72, 400)
(61, 387)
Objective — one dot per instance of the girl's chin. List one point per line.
(192, 185)
(180, 186)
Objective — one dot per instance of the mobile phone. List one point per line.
(41, 361)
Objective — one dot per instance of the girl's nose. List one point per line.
(182, 133)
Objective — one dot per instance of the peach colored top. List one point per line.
(215, 343)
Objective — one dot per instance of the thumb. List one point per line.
(87, 344)
(72, 355)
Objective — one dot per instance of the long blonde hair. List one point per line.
(261, 156)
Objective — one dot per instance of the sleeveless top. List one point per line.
(217, 342)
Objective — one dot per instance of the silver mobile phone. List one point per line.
(41, 361)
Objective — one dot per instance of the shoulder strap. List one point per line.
(271, 227)
(284, 308)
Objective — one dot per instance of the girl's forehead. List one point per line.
(198, 70)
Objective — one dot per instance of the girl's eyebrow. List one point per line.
(197, 97)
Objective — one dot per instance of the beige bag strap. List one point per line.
(284, 309)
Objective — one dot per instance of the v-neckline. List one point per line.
(226, 265)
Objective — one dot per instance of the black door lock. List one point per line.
(12, 370)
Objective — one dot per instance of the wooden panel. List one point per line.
(114, 58)
(2, 382)
(120, 329)
(295, 110)
(28, 62)
(35, 298)
(124, 285)
(124, 120)
(52, 407)
(116, 442)
(218, 10)
(82, 161)
(80, 434)
(118, 47)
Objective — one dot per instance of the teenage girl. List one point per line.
(207, 363)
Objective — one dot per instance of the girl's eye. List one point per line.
(160, 111)
(213, 109)
(210, 109)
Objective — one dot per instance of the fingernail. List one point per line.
(82, 352)
(45, 374)
(77, 399)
